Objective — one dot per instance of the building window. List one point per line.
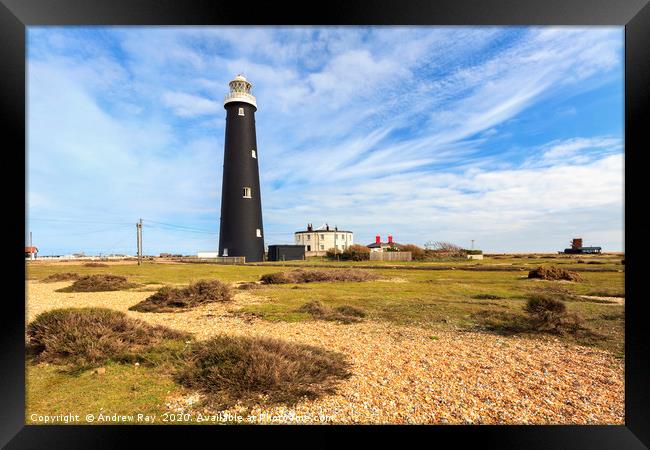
(253, 154)
(322, 236)
(241, 111)
(259, 232)
(322, 247)
(309, 237)
(247, 192)
(225, 252)
(309, 248)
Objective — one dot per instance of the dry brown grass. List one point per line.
(344, 313)
(99, 283)
(553, 273)
(169, 299)
(95, 264)
(61, 276)
(86, 337)
(310, 276)
(253, 370)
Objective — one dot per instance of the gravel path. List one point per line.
(407, 374)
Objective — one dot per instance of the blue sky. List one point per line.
(511, 136)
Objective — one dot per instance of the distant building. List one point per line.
(577, 248)
(379, 246)
(30, 252)
(286, 252)
(207, 254)
(318, 240)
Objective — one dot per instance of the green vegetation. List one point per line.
(242, 369)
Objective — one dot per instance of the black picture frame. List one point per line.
(16, 15)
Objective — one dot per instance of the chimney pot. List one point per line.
(378, 239)
(390, 238)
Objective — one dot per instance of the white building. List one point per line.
(318, 240)
(207, 254)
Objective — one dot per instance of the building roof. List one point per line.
(331, 230)
(382, 244)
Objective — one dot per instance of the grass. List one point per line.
(248, 370)
(169, 299)
(123, 389)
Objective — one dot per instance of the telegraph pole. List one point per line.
(138, 227)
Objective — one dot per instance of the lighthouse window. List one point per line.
(259, 233)
(253, 154)
(247, 192)
(241, 111)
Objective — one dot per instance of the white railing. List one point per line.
(240, 97)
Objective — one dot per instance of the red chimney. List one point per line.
(377, 239)
(390, 238)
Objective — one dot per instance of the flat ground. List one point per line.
(429, 351)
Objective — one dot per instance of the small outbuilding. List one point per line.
(286, 252)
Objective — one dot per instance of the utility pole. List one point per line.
(472, 244)
(138, 227)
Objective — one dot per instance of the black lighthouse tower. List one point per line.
(241, 232)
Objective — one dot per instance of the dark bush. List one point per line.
(355, 253)
(553, 273)
(169, 299)
(87, 337)
(99, 283)
(96, 264)
(275, 278)
(254, 370)
(545, 311)
(61, 276)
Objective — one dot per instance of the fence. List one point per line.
(390, 256)
(217, 260)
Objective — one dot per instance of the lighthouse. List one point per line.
(241, 232)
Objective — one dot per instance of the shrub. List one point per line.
(417, 253)
(553, 273)
(61, 276)
(275, 278)
(96, 264)
(345, 313)
(99, 283)
(444, 250)
(260, 370)
(545, 311)
(310, 276)
(169, 299)
(473, 252)
(355, 253)
(87, 337)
